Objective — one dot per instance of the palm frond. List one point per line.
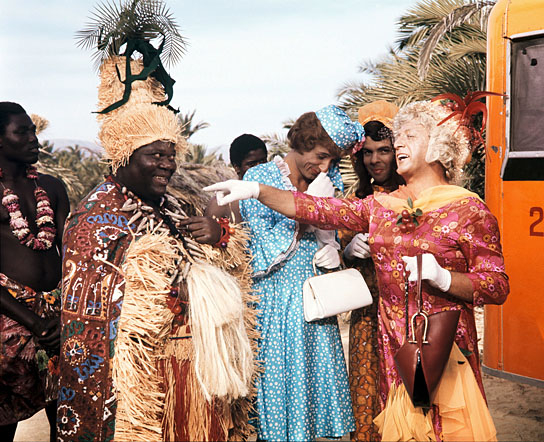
(276, 145)
(455, 18)
(468, 47)
(287, 124)
(198, 154)
(110, 26)
(416, 23)
(349, 177)
(188, 129)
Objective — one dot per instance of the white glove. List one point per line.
(430, 271)
(233, 190)
(327, 257)
(325, 237)
(321, 186)
(358, 247)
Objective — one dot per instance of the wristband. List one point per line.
(226, 232)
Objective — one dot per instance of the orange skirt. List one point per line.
(462, 408)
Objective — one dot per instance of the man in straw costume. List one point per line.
(156, 335)
(463, 265)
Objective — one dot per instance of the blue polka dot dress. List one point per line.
(303, 393)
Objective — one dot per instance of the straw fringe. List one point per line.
(223, 354)
(135, 127)
(138, 122)
(111, 89)
(140, 344)
(146, 360)
(237, 262)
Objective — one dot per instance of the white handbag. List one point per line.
(333, 293)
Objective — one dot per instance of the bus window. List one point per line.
(527, 121)
(526, 140)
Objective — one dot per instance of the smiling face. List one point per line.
(379, 159)
(311, 163)
(253, 158)
(411, 144)
(149, 170)
(19, 143)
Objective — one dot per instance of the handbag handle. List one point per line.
(340, 267)
(420, 312)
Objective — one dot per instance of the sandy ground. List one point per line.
(517, 409)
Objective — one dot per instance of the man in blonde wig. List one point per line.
(155, 339)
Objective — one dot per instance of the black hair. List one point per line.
(378, 132)
(7, 109)
(242, 145)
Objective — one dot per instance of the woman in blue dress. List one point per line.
(303, 392)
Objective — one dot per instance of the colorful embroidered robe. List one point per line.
(96, 241)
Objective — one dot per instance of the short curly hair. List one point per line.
(449, 143)
(307, 131)
(7, 109)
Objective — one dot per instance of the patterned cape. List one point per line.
(96, 239)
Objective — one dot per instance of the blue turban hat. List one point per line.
(342, 130)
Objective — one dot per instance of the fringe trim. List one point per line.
(140, 343)
(151, 371)
(223, 355)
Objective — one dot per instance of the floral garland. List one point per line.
(44, 216)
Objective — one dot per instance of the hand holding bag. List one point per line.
(423, 356)
(333, 293)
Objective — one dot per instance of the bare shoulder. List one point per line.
(52, 184)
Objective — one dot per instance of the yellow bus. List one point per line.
(514, 332)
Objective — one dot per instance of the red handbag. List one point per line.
(423, 356)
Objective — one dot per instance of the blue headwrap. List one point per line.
(344, 132)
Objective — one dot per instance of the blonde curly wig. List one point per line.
(449, 143)
(138, 122)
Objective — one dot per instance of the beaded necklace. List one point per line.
(45, 238)
(165, 219)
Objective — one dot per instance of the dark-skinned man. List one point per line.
(245, 152)
(32, 214)
(136, 362)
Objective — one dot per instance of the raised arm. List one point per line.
(334, 213)
(281, 201)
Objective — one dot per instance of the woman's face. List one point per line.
(411, 143)
(379, 159)
(313, 162)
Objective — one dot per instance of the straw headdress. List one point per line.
(138, 122)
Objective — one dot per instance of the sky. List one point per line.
(249, 65)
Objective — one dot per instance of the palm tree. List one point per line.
(186, 123)
(277, 144)
(78, 167)
(441, 48)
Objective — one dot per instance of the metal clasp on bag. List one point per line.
(426, 320)
(313, 265)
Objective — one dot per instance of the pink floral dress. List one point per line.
(463, 235)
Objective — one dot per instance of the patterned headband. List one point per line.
(344, 132)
